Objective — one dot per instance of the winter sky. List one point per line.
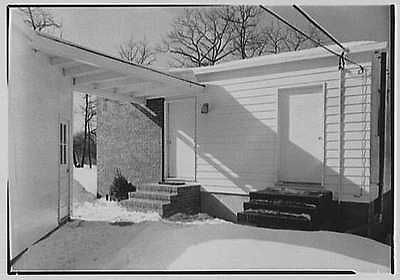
(104, 28)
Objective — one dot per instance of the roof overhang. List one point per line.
(110, 77)
(287, 57)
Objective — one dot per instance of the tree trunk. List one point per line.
(89, 138)
(74, 159)
(85, 139)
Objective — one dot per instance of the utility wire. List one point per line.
(341, 56)
(317, 25)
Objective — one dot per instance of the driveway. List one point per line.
(210, 244)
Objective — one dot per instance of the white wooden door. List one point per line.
(64, 179)
(301, 124)
(181, 139)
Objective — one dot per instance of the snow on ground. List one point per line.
(80, 194)
(87, 207)
(88, 245)
(110, 211)
(196, 219)
(87, 177)
(107, 236)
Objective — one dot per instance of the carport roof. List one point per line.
(100, 74)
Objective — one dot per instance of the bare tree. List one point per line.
(246, 27)
(199, 37)
(276, 38)
(40, 19)
(137, 52)
(207, 36)
(89, 110)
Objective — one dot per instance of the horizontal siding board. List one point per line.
(252, 140)
(267, 82)
(209, 169)
(349, 172)
(240, 134)
(348, 162)
(250, 109)
(348, 145)
(229, 118)
(266, 113)
(229, 183)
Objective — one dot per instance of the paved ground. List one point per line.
(211, 245)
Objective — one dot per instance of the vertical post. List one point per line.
(341, 144)
(166, 140)
(341, 133)
(374, 138)
(162, 124)
(325, 86)
(196, 110)
(381, 131)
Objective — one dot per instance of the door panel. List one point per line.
(301, 134)
(64, 180)
(181, 139)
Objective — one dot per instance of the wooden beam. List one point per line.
(79, 70)
(138, 87)
(163, 91)
(97, 77)
(114, 83)
(110, 95)
(59, 47)
(62, 62)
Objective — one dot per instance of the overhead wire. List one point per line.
(322, 29)
(342, 56)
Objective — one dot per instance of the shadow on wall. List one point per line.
(238, 148)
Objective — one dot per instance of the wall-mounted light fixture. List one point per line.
(204, 108)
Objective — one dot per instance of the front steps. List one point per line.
(165, 199)
(287, 207)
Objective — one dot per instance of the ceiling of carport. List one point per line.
(103, 75)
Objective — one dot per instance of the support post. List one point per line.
(341, 143)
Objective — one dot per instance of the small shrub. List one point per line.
(120, 187)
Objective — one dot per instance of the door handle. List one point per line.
(320, 138)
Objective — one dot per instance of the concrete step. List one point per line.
(165, 199)
(164, 196)
(272, 219)
(145, 205)
(300, 185)
(290, 194)
(287, 207)
(156, 187)
(282, 206)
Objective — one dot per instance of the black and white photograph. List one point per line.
(203, 138)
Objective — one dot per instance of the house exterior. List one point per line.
(290, 117)
(233, 128)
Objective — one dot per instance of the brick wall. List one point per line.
(129, 137)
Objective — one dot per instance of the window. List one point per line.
(63, 143)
